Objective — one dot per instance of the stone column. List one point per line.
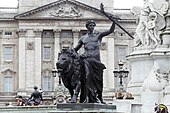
(107, 58)
(76, 34)
(56, 52)
(30, 60)
(110, 60)
(37, 57)
(21, 61)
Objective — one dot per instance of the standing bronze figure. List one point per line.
(90, 81)
(91, 60)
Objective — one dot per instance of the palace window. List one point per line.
(47, 53)
(8, 33)
(121, 53)
(47, 83)
(8, 84)
(8, 53)
(66, 39)
(66, 34)
(121, 34)
(47, 34)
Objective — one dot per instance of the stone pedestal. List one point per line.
(86, 107)
(141, 64)
(148, 101)
(123, 105)
(148, 68)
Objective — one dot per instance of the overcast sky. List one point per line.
(127, 3)
(117, 3)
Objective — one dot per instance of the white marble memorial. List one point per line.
(150, 60)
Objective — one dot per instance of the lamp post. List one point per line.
(59, 92)
(121, 73)
(54, 72)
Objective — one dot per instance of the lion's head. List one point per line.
(64, 60)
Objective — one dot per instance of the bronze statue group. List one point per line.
(84, 73)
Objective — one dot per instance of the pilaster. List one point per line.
(110, 60)
(37, 55)
(76, 34)
(56, 52)
(107, 58)
(22, 60)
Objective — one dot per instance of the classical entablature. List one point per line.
(63, 9)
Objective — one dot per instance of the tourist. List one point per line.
(20, 101)
(36, 97)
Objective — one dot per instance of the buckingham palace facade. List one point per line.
(32, 35)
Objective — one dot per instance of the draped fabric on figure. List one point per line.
(94, 80)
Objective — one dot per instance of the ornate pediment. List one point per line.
(46, 71)
(66, 10)
(8, 71)
(62, 9)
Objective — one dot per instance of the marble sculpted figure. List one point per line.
(151, 23)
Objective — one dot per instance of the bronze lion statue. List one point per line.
(70, 69)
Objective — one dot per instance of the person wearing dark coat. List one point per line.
(36, 97)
